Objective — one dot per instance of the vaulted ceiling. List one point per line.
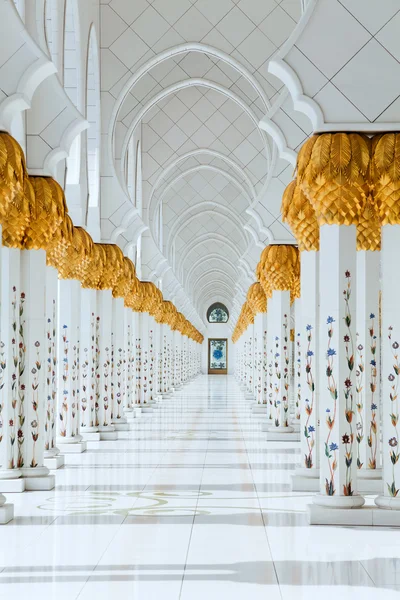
(192, 77)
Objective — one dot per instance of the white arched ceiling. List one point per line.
(192, 83)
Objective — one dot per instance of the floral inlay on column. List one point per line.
(35, 425)
(85, 374)
(119, 394)
(309, 428)
(106, 399)
(393, 442)
(51, 380)
(21, 386)
(348, 438)
(271, 385)
(138, 370)
(359, 403)
(63, 416)
(373, 375)
(285, 397)
(277, 386)
(331, 447)
(3, 365)
(97, 373)
(298, 391)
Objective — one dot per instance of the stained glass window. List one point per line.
(217, 313)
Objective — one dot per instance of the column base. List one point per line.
(54, 462)
(260, 409)
(147, 409)
(295, 425)
(305, 480)
(76, 448)
(362, 517)
(110, 435)
(38, 479)
(275, 436)
(338, 502)
(120, 421)
(85, 430)
(137, 412)
(6, 513)
(121, 426)
(388, 503)
(90, 436)
(12, 486)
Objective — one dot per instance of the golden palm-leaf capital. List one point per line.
(281, 266)
(333, 173)
(300, 215)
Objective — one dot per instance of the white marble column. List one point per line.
(129, 359)
(52, 457)
(279, 311)
(104, 309)
(176, 362)
(145, 362)
(68, 371)
(306, 477)
(390, 499)
(11, 361)
(32, 336)
(368, 372)
(118, 365)
(87, 371)
(337, 382)
(138, 361)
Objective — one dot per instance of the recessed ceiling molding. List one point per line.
(129, 218)
(211, 274)
(227, 176)
(176, 87)
(276, 133)
(243, 263)
(62, 151)
(203, 261)
(176, 51)
(261, 229)
(212, 285)
(199, 210)
(175, 162)
(254, 235)
(207, 237)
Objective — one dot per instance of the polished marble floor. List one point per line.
(192, 504)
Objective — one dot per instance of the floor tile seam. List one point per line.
(193, 522)
(265, 528)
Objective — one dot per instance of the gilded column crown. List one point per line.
(47, 211)
(332, 170)
(57, 252)
(156, 305)
(281, 265)
(385, 177)
(13, 201)
(134, 297)
(113, 268)
(300, 215)
(256, 299)
(78, 255)
(124, 283)
(93, 273)
(369, 227)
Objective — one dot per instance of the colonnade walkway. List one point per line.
(190, 504)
